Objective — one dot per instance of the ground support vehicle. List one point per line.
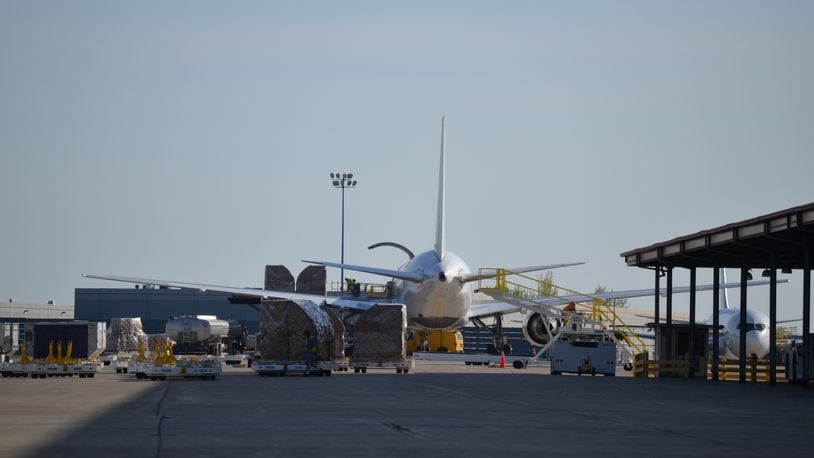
(121, 366)
(475, 359)
(14, 370)
(342, 364)
(584, 357)
(36, 370)
(235, 360)
(85, 369)
(402, 366)
(118, 362)
(137, 367)
(282, 368)
(58, 370)
(206, 371)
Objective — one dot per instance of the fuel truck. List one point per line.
(205, 335)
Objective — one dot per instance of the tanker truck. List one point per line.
(205, 335)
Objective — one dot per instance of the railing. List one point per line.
(644, 367)
(757, 370)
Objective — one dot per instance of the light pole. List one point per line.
(342, 180)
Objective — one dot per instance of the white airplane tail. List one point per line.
(439, 228)
(724, 303)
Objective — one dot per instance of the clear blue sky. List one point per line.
(193, 140)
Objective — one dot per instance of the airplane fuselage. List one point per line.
(757, 333)
(441, 301)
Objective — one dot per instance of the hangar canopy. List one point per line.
(785, 235)
(781, 240)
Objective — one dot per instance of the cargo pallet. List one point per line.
(402, 366)
(281, 368)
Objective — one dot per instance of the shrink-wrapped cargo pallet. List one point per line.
(379, 333)
(282, 330)
(339, 331)
(125, 334)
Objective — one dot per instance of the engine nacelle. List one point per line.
(536, 328)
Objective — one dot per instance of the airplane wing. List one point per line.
(504, 307)
(409, 276)
(343, 302)
(517, 270)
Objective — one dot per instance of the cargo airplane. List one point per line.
(437, 287)
(757, 328)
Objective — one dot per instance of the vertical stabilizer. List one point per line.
(724, 302)
(439, 227)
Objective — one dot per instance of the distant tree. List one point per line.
(613, 303)
(545, 287)
(784, 332)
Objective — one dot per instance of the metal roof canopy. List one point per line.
(783, 239)
(786, 235)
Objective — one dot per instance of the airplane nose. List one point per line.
(755, 344)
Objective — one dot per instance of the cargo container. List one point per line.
(88, 337)
(9, 338)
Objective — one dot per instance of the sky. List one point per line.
(193, 140)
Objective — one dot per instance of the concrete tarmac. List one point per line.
(439, 409)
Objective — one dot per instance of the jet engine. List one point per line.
(536, 328)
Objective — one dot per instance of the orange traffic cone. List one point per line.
(502, 360)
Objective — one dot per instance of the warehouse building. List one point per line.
(156, 306)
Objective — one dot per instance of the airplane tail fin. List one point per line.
(439, 228)
(724, 298)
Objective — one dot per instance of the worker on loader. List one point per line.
(310, 350)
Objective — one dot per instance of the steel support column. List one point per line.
(716, 333)
(657, 295)
(807, 318)
(773, 323)
(691, 346)
(742, 328)
(669, 347)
